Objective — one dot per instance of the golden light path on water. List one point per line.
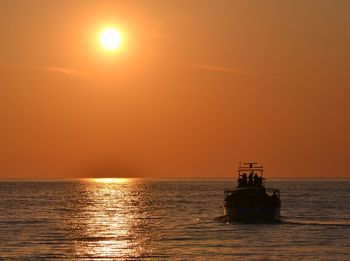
(113, 224)
(146, 219)
(110, 180)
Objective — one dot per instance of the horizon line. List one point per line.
(172, 178)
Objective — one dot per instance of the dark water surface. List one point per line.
(161, 220)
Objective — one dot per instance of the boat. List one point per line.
(250, 199)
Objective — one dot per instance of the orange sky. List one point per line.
(196, 87)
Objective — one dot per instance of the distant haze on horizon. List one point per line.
(196, 87)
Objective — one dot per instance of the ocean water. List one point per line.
(133, 219)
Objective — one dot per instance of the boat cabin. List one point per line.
(251, 181)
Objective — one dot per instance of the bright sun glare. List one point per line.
(110, 180)
(110, 39)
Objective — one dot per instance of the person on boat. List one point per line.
(244, 179)
(250, 177)
(239, 182)
(256, 180)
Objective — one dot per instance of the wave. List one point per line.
(291, 221)
(224, 219)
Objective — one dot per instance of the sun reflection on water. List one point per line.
(110, 180)
(112, 223)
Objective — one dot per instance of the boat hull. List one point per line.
(252, 213)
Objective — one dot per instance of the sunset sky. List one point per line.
(194, 88)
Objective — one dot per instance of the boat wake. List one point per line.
(290, 221)
(220, 218)
(225, 219)
(337, 223)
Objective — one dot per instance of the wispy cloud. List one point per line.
(236, 71)
(53, 69)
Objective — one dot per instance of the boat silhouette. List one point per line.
(251, 200)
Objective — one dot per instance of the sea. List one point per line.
(145, 219)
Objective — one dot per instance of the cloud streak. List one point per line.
(53, 69)
(235, 71)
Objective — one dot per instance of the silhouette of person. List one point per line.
(250, 177)
(256, 179)
(240, 181)
(244, 179)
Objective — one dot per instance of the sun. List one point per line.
(110, 39)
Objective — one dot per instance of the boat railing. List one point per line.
(267, 190)
(273, 190)
(260, 183)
